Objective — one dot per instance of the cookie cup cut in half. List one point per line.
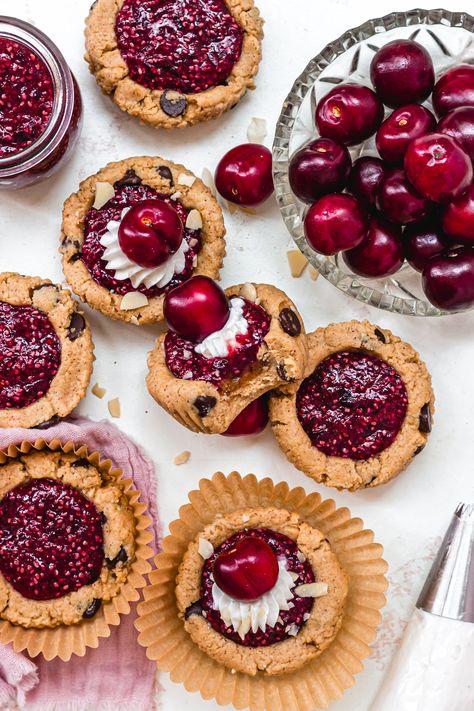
(95, 266)
(345, 558)
(33, 617)
(179, 77)
(209, 406)
(363, 411)
(46, 351)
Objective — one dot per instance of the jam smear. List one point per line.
(26, 97)
(284, 547)
(30, 355)
(353, 405)
(51, 539)
(185, 45)
(183, 361)
(95, 226)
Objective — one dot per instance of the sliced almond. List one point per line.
(300, 557)
(114, 407)
(311, 590)
(194, 220)
(313, 272)
(205, 548)
(294, 576)
(176, 195)
(182, 458)
(249, 292)
(98, 391)
(245, 518)
(297, 262)
(133, 300)
(134, 320)
(185, 179)
(257, 130)
(292, 630)
(208, 180)
(103, 193)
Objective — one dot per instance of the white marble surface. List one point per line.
(409, 515)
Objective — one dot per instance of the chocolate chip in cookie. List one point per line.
(165, 173)
(204, 404)
(49, 423)
(290, 322)
(194, 609)
(130, 178)
(80, 463)
(93, 609)
(121, 557)
(425, 419)
(380, 335)
(76, 327)
(173, 103)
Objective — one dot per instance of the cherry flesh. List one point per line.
(455, 88)
(458, 219)
(318, 168)
(448, 279)
(150, 233)
(380, 253)
(335, 223)
(247, 571)
(402, 73)
(423, 240)
(366, 175)
(399, 202)
(244, 175)
(459, 124)
(196, 308)
(251, 421)
(438, 167)
(349, 114)
(401, 127)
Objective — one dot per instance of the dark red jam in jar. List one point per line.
(40, 105)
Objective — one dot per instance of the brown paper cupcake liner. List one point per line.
(326, 677)
(65, 640)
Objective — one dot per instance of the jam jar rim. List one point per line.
(64, 95)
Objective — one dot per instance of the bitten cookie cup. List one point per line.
(111, 190)
(47, 351)
(166, 105)
(408, 393)
(68, 624)
(344, 555)
(281, 358)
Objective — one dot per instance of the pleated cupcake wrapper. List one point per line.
(65, 640)
(326, 677)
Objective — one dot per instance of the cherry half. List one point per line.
(247, 571)
(459, 124)
(320, 167)
(244, 175)
(455, 88)
(400, 128)
(335, 223)
(349, 114)
(196, 308)
(366, 175)
(448, 279)
(399, 202)
(423, 240)
(251, 421)
(438, 167)
(402, 72)
(150, 233)
(380, 253)
(458, 219)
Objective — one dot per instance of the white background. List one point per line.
(408, 515)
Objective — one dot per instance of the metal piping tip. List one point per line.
(449, 587)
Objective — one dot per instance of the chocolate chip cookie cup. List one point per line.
(46, 351)
(363, 411)
(90, 536)
(331, 566)
(177, 63)
(135, 230)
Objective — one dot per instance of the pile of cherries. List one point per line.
(414, 201)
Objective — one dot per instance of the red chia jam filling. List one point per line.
(96, 225)
(30, 355)
(353, 405)
(284, 547)
(51, 539)
(26, 97)
(186, 45)
(183, 361)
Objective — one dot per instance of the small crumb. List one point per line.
(313, 272)
(114, 407)
(248, 210)
(185, 179)
(194, 220)
(257, 130)
(98, 391)
(134, 320)
(232, 671)
(297, 262)
(232, 207)
(245, 518)
(280, 621)
(182, 458)
(103, 193)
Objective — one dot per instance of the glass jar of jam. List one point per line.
(40, 105)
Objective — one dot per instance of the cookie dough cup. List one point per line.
(153, 176)
(281, 358)
(414, 381)
(47, 351)
(168, 105)
(67, 625)
(344, 553)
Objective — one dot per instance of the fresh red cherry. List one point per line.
(318, 168)
(399, 202)
(438, 167)
(251, 421)
(335, 223)
(150, 233)
(458, 219)
(455, 88)
(459, 124)
(366, 175)
(423, 240)
(248, 571)
(196, 308)
(448, 279)
(380, 253)
(402, 73)
(349, 114)
(401, 127)
(244, 175)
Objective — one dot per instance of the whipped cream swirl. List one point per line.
(220, 343)
(261, 613)
(118, 262)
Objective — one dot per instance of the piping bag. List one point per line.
(433, 669)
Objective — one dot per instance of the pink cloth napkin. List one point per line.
(117, 675)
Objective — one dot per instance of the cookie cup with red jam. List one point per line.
(327, 553)
(90, 534)
(363, 411)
